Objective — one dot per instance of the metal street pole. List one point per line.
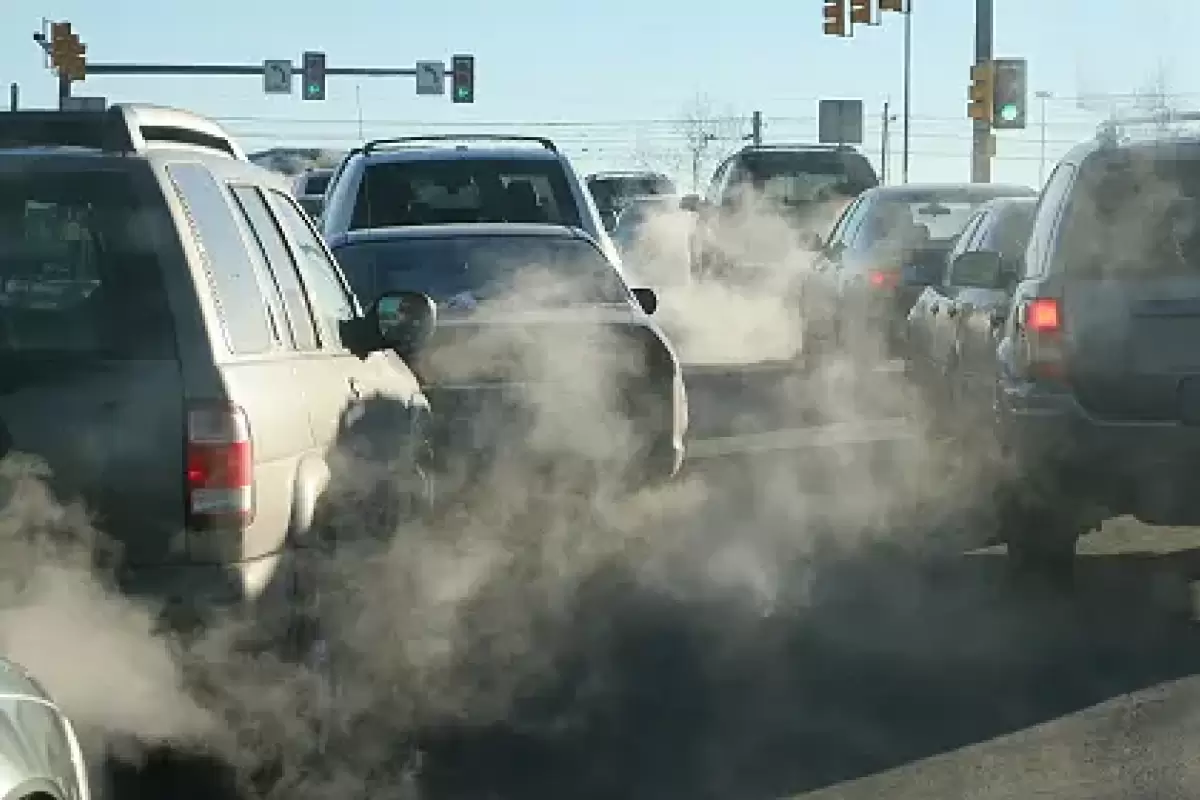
(14, 96)
(883, 143)
(907, 86)
(1043, 96)
(981, 134)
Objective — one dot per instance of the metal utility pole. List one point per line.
(884, 136)
(981, 135)
(756, 128)
(1043, 96)
(907, 87)
(14, 97)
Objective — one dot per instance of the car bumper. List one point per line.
(1146, 469)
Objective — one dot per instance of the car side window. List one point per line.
(855, 222)
(225, 260)
(282, 267)
(717, 183)
(1045, 219)
(332, 301)
(835, 233)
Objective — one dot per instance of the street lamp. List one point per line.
(1042, 96)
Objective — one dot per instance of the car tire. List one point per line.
(1041, 537)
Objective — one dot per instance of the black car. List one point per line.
(540, 345)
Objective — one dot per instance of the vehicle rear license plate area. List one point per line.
(1189, 401)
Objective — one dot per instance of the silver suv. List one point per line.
(455, 179)
(179, 346)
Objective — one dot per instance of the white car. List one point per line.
(40, 757)
(453, 180)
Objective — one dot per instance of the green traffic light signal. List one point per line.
(1009, 112)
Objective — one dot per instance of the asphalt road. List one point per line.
(777, 645)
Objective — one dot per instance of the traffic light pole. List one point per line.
(981, 155)
(64, 91)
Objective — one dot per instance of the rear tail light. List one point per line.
(1043, 325)
(220, 467)
(883, 279)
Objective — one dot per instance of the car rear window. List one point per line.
(1135, 213)
(538, 271)
(802, 176)
(609, 192)
(471, 190)
(80, 273)
(316, 184)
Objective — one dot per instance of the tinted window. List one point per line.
(225, 259)
(538, 271)
(612, 192)
(316, 184)
(279, 261)
(331, 302)
(803, 177)
(80, 268)
(1009, 232)
(425, 192)
(1135, 214)
(1045, 217)
(934, 217)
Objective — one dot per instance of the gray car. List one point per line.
(40, 757)
(191, 386)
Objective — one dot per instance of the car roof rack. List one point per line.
(122, 128)
(377, 144)
(798, 147)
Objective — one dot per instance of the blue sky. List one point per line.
(613, 77)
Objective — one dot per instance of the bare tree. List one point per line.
(1154, 99)
(704, 131)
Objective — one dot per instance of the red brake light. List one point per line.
(220, 466)
(1044, 315)
(883, 279)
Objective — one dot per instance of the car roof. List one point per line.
(918, 192)
(1148, 145)
(457, 152)
(463, 230)
(618, 174)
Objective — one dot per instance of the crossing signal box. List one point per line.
(981, 92)
(312, 70)
(68, 56)
(1009, 93)
(462, 79)
(835, 18)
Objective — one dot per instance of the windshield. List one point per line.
(799, 178)
(468, 190)
(78, 273)
(927, 219)
(462, 272)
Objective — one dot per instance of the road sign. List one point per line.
(840, 122)
(431, 77)
(277, 76)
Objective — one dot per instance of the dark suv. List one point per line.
(802, 184)
(1097, 389)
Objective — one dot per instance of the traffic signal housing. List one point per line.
(312, 71)
(68, 56)
(892, 5)
(981, 93)
(860, 12)
(1009, 93)
(462, 79)
(835, 17)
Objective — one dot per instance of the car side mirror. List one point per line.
(647, 299)
(978, 269)
(690, 203)
(608, 218)
(404, 321)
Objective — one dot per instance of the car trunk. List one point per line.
(1133, 347)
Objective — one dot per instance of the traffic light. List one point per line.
(462, 79)
(981, 92)
(892, 5)
(1009, 93)
(860, 12)
(835, 17)
(313, 73)
(68, 56)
